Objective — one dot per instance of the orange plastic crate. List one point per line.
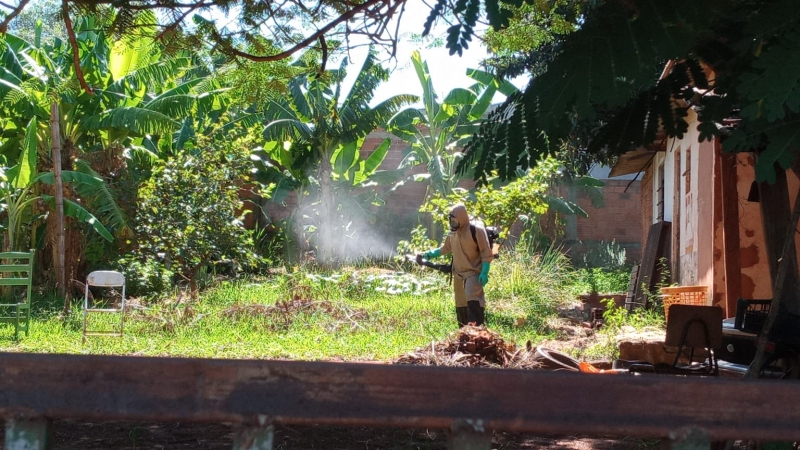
(684, 295)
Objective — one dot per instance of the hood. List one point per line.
(459, 211)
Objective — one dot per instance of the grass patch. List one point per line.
(357, 313)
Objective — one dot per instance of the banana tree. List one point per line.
(18, 187)
(438, 131)
(324, 129)
(140, 103)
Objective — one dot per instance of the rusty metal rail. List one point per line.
(470, 401)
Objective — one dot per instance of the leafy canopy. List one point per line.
(605, 77)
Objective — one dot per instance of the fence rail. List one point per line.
(256, 393)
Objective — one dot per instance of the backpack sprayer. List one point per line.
(493, 233)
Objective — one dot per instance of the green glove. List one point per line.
(483, 278)
(430, 254)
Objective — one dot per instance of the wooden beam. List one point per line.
(776, 211)
(730, 229)
(293, 392)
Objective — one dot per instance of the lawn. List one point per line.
(353, 314)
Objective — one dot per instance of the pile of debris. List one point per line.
(473, 347)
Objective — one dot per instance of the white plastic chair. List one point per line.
(106, 279)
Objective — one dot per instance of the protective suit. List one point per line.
(470, 265)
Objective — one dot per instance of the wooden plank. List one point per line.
(654, 249)
(293, 392)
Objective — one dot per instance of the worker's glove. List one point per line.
(483, 278)
(430, 254)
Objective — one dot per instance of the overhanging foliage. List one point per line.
(605, 77)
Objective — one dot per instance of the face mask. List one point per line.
(453, 223)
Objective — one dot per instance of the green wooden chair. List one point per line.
(16, 269)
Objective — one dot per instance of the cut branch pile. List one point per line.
(473, 347)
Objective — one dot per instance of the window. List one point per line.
(659, 210)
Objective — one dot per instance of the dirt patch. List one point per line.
(75, 435)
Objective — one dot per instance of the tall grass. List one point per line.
(356, 313)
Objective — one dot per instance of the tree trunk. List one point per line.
(327, 222)
(58, 188)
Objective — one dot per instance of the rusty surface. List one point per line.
(293, 392)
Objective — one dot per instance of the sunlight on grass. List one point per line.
(352, 315)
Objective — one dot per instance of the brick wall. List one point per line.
(619, 220)
(399, 213)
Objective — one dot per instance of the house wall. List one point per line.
(756, 279)
(688, 204)
(696, 213)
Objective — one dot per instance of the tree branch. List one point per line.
(302, 44)
(324, 46)
(12, 15)
(175, 23)
(73, 42)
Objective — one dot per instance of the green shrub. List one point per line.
(603, 254)
(189, 209)
(145, 278)
(600, 280)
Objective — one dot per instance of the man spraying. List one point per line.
(472, 256)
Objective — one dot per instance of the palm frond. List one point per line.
(403, 124)
(177, 106)
(370, 120)
(299, 99)
(286, 130)
(101, 199)
(368, 79)
(139, 121)
(78, 212)
(153, 76)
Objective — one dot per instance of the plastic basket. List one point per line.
(683, 295)
(751, 315)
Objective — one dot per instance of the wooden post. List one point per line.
(58, 188)
(27, 434)
(730, 230)
(470, 435)
(689, 439)
(776, 216)
(258, 437)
